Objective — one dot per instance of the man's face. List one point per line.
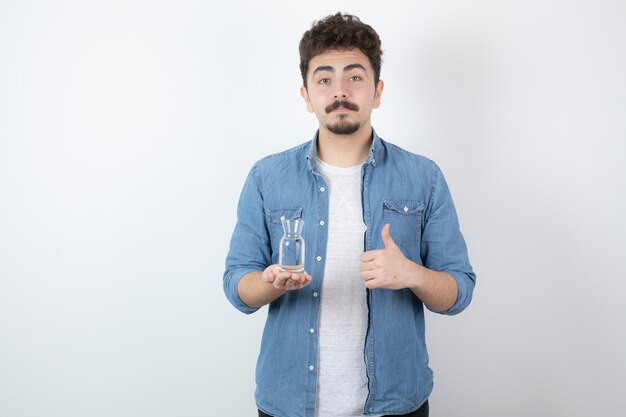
(341, 91)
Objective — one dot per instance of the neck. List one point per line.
(344, 150)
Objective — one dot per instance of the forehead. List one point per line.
(338, 59)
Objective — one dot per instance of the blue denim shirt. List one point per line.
(400, 188)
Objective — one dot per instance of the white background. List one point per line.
(128, 127)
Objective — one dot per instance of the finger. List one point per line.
(307, 279)
(387, 239)
(281, 279)
(369, 255)
(268, 275)
(294, 285)
(273, 271)
(368, 266)
(372, 283)
(297, 277)
(367, 275)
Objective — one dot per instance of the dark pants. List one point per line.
(420, 412)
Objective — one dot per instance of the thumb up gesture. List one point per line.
(386, 268)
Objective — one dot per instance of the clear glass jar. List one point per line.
(291, 251)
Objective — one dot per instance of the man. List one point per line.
(346, 337)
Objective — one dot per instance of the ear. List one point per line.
(307, 100)
(378, 93)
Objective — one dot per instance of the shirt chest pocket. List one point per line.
(405, 220)
(275, 218)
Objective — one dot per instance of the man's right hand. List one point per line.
(285, 281)
(259, 288)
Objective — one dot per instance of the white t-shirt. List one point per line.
(342, 379)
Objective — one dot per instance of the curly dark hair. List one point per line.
(340, 32)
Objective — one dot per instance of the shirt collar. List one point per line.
(371, 155)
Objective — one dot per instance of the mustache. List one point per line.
(341, 103)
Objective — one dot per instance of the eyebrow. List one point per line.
(354, 66)
(345, 69)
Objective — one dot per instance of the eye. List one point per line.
(355, 78)
(324, 81)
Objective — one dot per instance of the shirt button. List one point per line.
(322, 189)
(311, 367)
(311, 331)
(282, 217)
(322, 223)
(319, 258)
(406, 209)
(315, 294)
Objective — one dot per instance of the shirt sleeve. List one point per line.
(250, 243)
(443, 247)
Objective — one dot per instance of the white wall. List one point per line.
(126, 131)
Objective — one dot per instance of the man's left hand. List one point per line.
(386, 268)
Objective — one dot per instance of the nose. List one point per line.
(341, 92)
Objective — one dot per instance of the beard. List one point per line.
(343, 128)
